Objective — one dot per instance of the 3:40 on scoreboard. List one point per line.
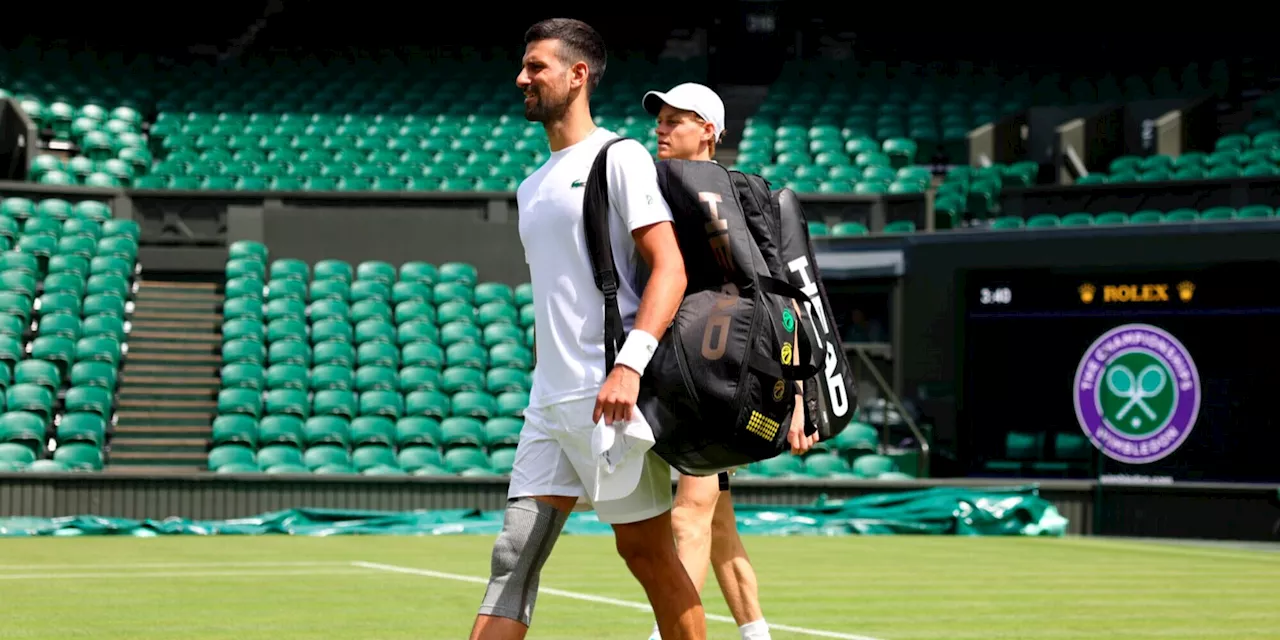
(995, 295)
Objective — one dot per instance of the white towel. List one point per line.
(619, 450)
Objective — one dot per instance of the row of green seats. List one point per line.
(245, 373)
(22, 208)
(442, 158)
(1254, 153)
(515, 165)
(454, 318)
(371, 459)
(1077, 219)
(855, 229)
(967, 81)
(1039, 454)
(225, 127)
(824, 465)
(70, 123)
(975, 191)
(419, 272)
(376, 279)
(324, 183)
(413, 342)
(826, 146)
(72, 456)
(870, 179)
(376, 403)
(445, 432)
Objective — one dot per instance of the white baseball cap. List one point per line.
(690, 96)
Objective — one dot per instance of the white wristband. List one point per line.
(637, 350)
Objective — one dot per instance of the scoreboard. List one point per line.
(1172, 373)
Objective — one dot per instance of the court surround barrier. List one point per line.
(1015, 511)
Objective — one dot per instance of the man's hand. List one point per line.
(800, 443)
(618, 396)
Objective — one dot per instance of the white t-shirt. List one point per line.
(568, 308)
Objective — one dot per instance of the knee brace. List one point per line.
(529, 531)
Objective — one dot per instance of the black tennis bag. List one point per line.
(720, 389)
(781, 232)
(832, 396)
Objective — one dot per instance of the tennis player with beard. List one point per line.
(573, 398)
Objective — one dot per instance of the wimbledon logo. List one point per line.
(1137, 393)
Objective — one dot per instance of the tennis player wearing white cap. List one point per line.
(690, 124)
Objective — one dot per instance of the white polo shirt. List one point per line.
(568, 308)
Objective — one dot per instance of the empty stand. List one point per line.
(1042, 455)
(68, 281)
(371, 368)
(1253, 153)
(293, 125)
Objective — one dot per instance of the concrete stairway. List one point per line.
(169, 384)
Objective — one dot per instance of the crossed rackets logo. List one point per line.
(1137, 393)
(1136, 403)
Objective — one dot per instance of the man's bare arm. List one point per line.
(658, 305)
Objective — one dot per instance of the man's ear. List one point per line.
(578, 74)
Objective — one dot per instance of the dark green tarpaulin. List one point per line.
(939, 511)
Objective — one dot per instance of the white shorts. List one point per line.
(554, 458)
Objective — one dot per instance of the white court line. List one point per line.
(177, 574)
(640, 606)
(170, 565)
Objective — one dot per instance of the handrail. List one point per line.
(897, 403)
(1077, 164)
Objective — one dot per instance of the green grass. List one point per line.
(891, 588)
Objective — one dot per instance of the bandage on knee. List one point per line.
(529, 532)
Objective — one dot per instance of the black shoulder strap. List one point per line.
(595, 224)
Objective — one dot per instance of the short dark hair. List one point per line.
(578, 42)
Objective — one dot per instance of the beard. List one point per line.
(546, 108)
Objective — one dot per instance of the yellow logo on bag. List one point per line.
(786, 353)
(779, 388)
(763, 426)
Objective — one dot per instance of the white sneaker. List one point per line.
(655, 635)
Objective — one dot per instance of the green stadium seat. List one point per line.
(322, 429)
(280, 457)
(1255, 211)
(826, 465)
(232, 454)
(235, 429)
(873, 466)
(463, 459)
(88, 428)
(1044, 220)
(369, 456)
(330, 457)
(280, 429)
(1078, 219)
(1112, 217)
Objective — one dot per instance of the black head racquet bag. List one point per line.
(720, 389)
(831, 397)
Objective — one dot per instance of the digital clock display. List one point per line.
(995, 295)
